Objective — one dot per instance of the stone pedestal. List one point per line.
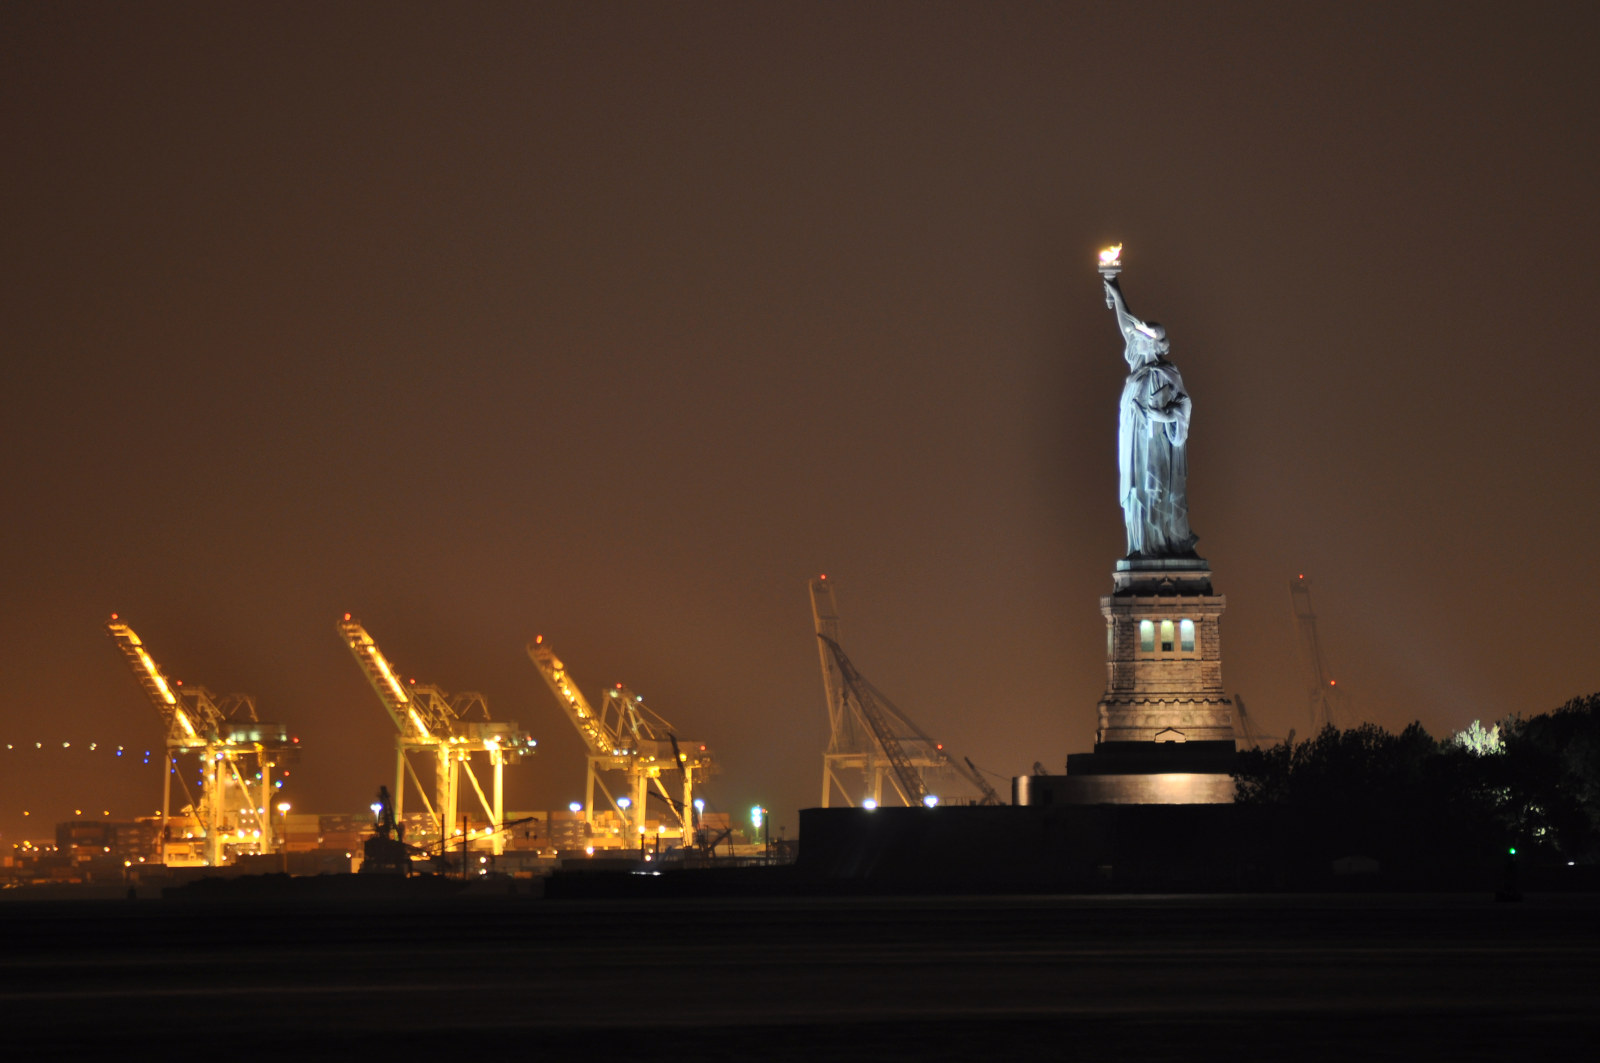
(1164, 655)
(1165, 733)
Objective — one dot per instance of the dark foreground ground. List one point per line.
(1219, 977)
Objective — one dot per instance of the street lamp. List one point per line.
(758, 820)
(283, 843)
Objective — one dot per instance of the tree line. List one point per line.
(1434, 809)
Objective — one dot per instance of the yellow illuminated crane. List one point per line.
(237, 756)
(867, 734)
(447, 729)
(627, 736)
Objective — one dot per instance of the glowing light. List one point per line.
(153, 672)
(929, 800)
(869, 804)
(383, 667)
(416, 721)
(1111, 256)
(575, 807)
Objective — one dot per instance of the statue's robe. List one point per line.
(1152, 455)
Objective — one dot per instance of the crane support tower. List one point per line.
(626, 736)
(867, 734)
(229, 812)
(446, 729)
(1323, 691)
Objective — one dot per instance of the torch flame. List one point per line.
(1111, 255)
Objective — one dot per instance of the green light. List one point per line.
(1513, 850)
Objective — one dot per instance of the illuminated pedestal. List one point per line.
(1166, 733)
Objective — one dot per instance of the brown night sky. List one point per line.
(618, 322)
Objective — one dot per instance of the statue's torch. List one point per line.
(1110, 266)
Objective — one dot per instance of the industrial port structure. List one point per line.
(632, 754)
(870, 741)
(229, 811)
(625, 736)
(444, 729)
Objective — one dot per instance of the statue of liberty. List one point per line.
(1152, 437)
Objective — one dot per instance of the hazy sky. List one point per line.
(616, 323)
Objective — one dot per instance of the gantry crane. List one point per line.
(627, 736)
(867, 733)
(446, 728)
(237, 754)
(1323, 690)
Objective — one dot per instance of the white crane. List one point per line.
(1325, 705)
(867, 734)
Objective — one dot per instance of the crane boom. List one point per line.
(1321, 688)
(908, 780)
(603, 738)
(989, 796)
(425, 712)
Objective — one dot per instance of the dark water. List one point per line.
(904, 978)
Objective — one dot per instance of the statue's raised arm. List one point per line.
(1116, 301)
